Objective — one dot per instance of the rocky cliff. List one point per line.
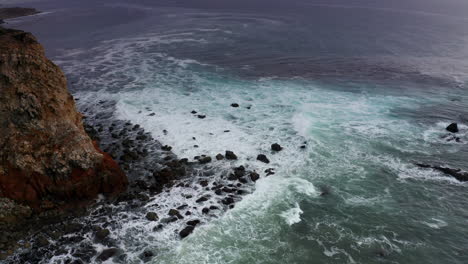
(46, 158)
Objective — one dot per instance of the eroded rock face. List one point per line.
(45, 154)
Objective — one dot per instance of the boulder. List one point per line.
(45, 152)
(276, 147)
(452, 128)
(152, 216)
(263, 158)
(235, 105)
(254, 176)
(230, 155)
(186, 231)
(219, 156)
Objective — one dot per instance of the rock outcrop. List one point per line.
(46, 157)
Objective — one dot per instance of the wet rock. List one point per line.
(202, 199)
(176, 213)
(239, 171)
(456, 173)
(263, 158)
(193, 222)
(102, 234)
(152, 114)
(254, 176)
(232, 177)
(213, 207)
(452, 128)
(107, 254)
(242, 180)
(201, 116)
(166, 148)
(204, 160)
(228, 201)
(186, 231)
(303, 146)
(230, 155)
(218, 192)
(193, 112)
(152, 216)
(147, 255)
(204, 183)
(219, 156)
(276, 147)
(269, 171)
(205, 210)
(235, 105)
(182, 206)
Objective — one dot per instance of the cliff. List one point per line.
(46, 158)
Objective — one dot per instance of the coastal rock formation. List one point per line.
(46, 157)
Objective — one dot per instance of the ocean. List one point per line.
(356, 93)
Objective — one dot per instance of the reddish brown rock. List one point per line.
(45, 154)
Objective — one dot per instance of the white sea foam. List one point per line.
(293, 215)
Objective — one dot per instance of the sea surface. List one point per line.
(367, 87)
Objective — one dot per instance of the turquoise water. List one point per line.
(367, 87)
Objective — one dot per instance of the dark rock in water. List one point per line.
(235, 105)
(204, 160)
(227, 200)
(263, 158)
(303, 146)
(270, 171)
(219, 156)
(254, 176)
(107, 254)
(201, 116)
(248, 107)
(193, 222)
(239, 171)
(218, 192)
(205, 210)
(166, 148)
(204, 183)
(456, 173)
(193, 112)
(202, 199)
(213, 207)
(276, 147)
(174, 212)
(232, 177)
(226, 131)
(152, 216)
(452, 128)
(186, 231)
(101, 234)
(152, 114)
(147, 255)
(242, 180)
(230, 155)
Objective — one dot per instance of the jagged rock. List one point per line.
(219, 156)
(263, 158)
(456, 173)
(193, 222)
(204, 160)
(44, 149)
(452, 128)
(230, 155)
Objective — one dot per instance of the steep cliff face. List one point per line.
(45, 154)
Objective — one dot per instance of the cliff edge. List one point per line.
(46, 158)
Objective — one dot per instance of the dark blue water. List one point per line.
(369, 85)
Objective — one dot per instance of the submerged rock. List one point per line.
(452, 128)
